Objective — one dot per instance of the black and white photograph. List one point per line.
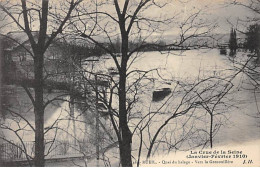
(129, 83)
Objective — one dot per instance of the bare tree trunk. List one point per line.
(1, 78)
(1, 87)
(39, 47)
(72, 117)
(97, 123)
(258, 57)
(126, 135)
(39, 110)
(211, 130)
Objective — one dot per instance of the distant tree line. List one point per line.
(82, 52)
(251, 43)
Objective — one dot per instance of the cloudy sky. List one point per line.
(213, 10)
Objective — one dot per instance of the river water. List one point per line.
(238, 118)
(235, 119)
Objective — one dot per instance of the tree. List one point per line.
(253, 40)
(38, 47)
(250, 28)
(59, 138)
(130, 21)
(232, 42)
(250, 23)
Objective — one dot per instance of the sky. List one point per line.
(213, 10)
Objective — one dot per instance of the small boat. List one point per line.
(160, 94)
